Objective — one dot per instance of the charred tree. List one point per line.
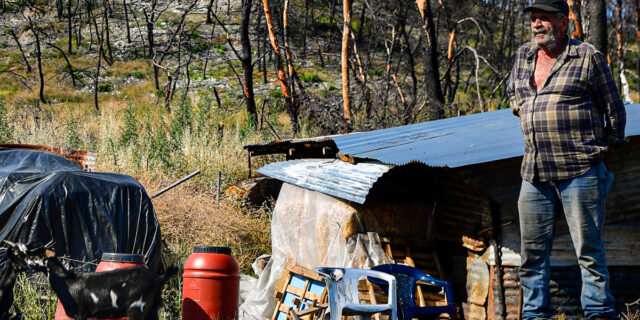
(36, 34)
(597, 34)
(576, 16)
(126, 20)
(619, 51)
(150, 19)
(344, 61)
(435, 98)
(73, 76)
(291, 103)
(247, 64)
(24, 57)
(69, 27)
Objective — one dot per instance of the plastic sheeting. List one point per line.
(310, 229)
(44, 197)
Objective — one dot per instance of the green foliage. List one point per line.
(104, 87)
(34, 297)
(310, 77)
(276, 94)
(137, 74)
(218, 48)
(203, 117)
(129, 134)
(181, 121)
(159, 152)
(6, 129)
(71, 137)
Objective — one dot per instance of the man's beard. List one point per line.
(549, 41)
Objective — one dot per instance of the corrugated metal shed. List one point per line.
(333, 177)
(453, 142)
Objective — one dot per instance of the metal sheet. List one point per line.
(452, 142)
(333, 177)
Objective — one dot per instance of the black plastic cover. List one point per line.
(44, 196)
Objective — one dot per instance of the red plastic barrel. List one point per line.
(210, 284)
(110, 261)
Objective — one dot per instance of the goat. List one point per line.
(17, 261)
(134, 292)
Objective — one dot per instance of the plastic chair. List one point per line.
(407, 277)
(343, 292)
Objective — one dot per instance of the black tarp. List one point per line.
(44, 197)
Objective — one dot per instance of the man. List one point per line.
(570, 110)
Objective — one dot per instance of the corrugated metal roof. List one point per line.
(453, 142)
(333, 177)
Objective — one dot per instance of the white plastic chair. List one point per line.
(342, 284)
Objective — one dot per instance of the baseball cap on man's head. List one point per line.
(549, 6)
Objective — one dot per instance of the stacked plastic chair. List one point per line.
(342, 284)
(406, 278)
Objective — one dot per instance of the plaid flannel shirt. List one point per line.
(566, 124)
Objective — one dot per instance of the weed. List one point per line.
(6, 129)
(72, 139)
(310, 77)
(34, 297)
(129, 134)
(104, 87)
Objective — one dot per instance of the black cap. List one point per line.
(549, 6)
(207, 249)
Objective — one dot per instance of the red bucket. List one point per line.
(210, 285)
(110, 261)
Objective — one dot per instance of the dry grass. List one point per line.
(189, 216)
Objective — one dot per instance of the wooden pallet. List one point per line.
(303, 296)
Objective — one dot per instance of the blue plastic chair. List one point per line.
(407, 277)
(342, 284)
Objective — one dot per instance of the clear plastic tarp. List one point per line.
(310, 229)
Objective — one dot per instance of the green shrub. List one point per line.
(6, 129)
(104, 87)
(72, 139)
(311, 77)
(129, 134)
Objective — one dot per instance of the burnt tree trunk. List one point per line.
(150, 20)
(597, 35)
(126, 20)
(435, 98)
(619, 51)
(39, 60)
(73, 76)
(344, 61)
(24, 57)
(69, 27)
(247, 65)
(291, 103)
(576, 17)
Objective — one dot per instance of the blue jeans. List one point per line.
(583, 201)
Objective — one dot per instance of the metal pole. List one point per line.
(218, 189)
(175, 184)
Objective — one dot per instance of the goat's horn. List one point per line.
(9, 243)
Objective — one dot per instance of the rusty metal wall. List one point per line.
(565, 285)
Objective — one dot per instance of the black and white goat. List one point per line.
(17, 261)
(134, 292)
